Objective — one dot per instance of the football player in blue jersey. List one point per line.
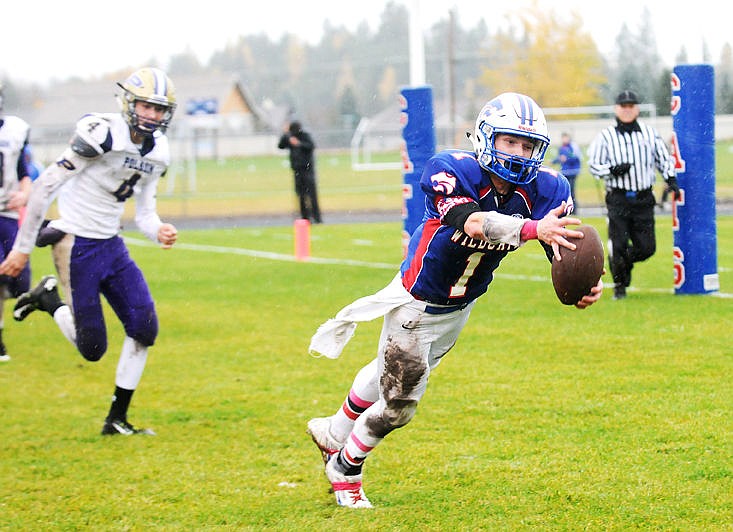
(111, 158)
(480, 206)
(15, 186)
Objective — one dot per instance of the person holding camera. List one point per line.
(301, 147)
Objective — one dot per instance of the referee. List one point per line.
(625, 156)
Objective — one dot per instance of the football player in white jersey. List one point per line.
(111, 158)
(15, 186)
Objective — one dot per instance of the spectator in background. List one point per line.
(303, 163)
(625, 155)
(15, 187)
(568, 157)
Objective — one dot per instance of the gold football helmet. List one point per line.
(150, 85)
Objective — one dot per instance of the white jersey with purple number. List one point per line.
(445, 266)
(93, 205)
(13, 138)
(94, 177)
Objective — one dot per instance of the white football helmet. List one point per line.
(514, 114)
(150, 85)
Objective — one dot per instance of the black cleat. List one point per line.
(118, 426)
(619, 292)
(45, 296)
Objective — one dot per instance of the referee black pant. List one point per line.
(630, 231)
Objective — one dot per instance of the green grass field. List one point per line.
(543, 417)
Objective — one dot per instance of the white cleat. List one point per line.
(319, 429)
(348, 489)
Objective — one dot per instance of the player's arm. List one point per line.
(499, 228)
(465, 214)
(147, 219)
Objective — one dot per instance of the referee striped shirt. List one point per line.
(640, 146)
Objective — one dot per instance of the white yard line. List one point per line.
(364, 264)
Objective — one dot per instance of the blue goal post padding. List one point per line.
(418, 133)
(693, 148)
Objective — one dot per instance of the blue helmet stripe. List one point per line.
(527, 109)
(522, 109)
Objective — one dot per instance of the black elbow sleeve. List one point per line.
(457, 216)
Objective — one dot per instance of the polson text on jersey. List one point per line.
(140, 166)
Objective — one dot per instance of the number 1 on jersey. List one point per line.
(459, 289)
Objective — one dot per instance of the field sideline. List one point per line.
(542, 417)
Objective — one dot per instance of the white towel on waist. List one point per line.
(333, 335)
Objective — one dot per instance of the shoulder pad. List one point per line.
(92, 136)
(17, 123)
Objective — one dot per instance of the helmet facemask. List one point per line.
(513, 168)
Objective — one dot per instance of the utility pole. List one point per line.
(452, 76)
(417, 46)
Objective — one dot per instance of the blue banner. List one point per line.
(693, 148)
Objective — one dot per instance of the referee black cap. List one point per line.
(627, 96)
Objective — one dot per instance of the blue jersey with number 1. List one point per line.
(444, 265)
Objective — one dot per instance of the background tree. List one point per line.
(185, 63)
(457, 51)
(662, 97)
(553, 60)
(637, 64)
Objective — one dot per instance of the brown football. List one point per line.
(580, 269)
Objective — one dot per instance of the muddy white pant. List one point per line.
(413, 341)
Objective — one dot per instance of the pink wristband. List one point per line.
(529, 230)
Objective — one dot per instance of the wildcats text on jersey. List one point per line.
(462, 239)
(139, 165)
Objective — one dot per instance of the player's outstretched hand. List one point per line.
(595, 295)
(552, 229)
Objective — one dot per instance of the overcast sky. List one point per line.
(43, 40)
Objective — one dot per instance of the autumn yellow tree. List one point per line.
(549, 59)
